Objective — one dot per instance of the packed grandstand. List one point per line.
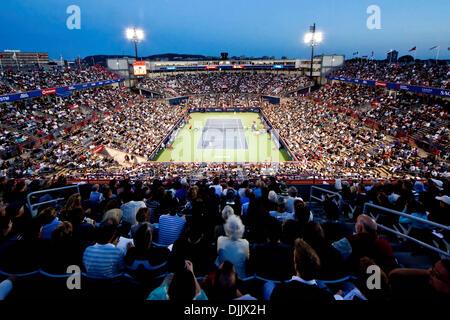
(79, 186)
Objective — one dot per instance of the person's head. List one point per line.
(62, 232)
(75, 215)
(216, 181)
(225, 282)
(292, 192)
(272, 196)
(115, 214)
(142, 214)
(107, 192)
(107, 231)
(112, 204)
(273, 229)
(331, 210)
(414, 206)
(95, 188)
(142, 237)
(365, 224)
(183, 286)
(306, 260)
(194, 230)
(440, 276)
(230, 196)
(302, 212)
(46, 216)
(234, 228)
(227, 212)
(291, 230)
(74, 201)
(173, 206)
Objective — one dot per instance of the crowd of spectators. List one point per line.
(51, 77)
(225, 82)
(421, 73)
(179, 240)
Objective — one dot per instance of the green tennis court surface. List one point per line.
(223, 137)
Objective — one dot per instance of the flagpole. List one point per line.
(437, 53)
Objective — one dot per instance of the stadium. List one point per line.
(224, 179)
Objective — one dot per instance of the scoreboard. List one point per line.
(139, 68)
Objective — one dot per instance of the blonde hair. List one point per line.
(227, 212)
(234, 228)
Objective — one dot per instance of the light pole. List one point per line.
(314, 38)
(135, 35)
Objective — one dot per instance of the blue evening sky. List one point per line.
(240, 27)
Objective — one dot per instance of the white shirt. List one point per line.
(235, 251)
(130, 209)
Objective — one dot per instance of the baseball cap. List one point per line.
(439, 183)
(445, 199)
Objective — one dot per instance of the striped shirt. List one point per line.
(103, 260)
(170, 228)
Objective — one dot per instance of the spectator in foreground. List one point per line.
(103, 259)
(96, 196)
(171, 225)
(219, 230)
(49, 222)
(143, 253)
(292, 196)
(181, 285)
(232, 247)
(366, 243)
(433, 283)
(303, 285)
(281, 214)
(226, 285)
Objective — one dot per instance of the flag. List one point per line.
(372, 53)
(390, 51)
(434, 47)
(413, 49)
(14, 56)
(355, 53)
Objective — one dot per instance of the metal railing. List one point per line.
(403, 232)
(323, 191)
(33, 207)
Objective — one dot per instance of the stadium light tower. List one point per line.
(314, 38)
(135, 35)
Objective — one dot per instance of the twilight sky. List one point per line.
(245, 27)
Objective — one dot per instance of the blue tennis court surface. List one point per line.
(223, 134)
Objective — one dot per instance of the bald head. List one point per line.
(365, 224)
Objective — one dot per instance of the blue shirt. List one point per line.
(47, 229)
(103, 260)
(414, 223)
(170, 228)
(96, 196)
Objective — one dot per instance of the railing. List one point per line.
(33, 207)
(403, 232)
(322, 190)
